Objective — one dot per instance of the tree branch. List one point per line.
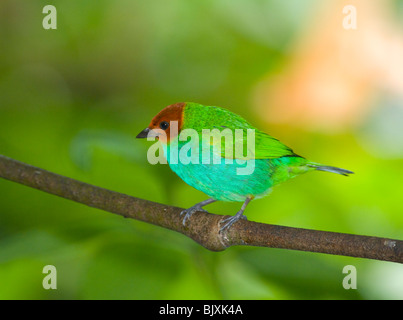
(203, 227)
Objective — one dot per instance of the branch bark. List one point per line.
(202, 227)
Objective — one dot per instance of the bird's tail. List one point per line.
(320, 167)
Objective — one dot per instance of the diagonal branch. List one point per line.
(203, 227)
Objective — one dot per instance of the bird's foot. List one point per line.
(188, 212)
(228, 222)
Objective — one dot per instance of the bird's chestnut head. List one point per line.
(161, 125)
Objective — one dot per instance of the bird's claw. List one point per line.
(188, 213)
(228, 222)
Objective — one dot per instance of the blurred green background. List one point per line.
(73, 99)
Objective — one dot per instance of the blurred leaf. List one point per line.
(84, 144)
(130, 271)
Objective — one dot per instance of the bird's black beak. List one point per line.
(143, 134)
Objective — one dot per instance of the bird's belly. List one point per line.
(224, 182)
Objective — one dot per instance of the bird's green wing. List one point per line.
(267, 147)
(261, 146)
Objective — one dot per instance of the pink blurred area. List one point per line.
(333, 74)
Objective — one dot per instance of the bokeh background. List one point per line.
(73, 99)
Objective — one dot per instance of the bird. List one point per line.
(270, 161)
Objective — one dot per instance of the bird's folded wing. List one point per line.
(259, 145)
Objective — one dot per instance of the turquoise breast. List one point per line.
(223, 181)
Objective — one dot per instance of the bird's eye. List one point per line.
(164, 125)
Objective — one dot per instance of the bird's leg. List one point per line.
(197, 207)
(239, 215)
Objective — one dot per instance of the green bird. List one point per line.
(217, 167)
